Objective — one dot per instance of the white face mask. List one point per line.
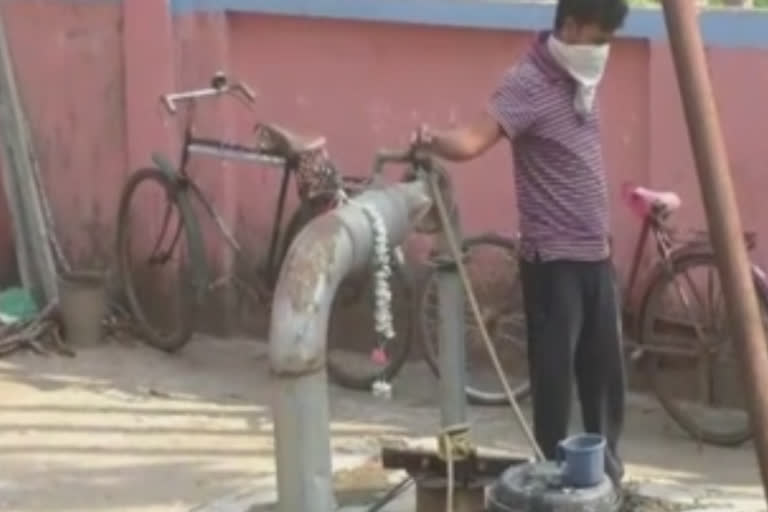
(586, 64)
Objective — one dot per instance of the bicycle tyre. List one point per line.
(350, 292)
(680, 264)
(303, 214)
(190, 300)
(474, 395)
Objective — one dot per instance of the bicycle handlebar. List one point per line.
(219, 85)
(410, 155)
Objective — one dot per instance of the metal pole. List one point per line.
(302, 431)
(722, 213)
(34, 255)
(451, 332)
(323, 253)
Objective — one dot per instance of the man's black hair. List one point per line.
(608, 14)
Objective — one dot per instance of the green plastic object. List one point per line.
(17, 305)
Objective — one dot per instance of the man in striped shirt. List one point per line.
(546, 107)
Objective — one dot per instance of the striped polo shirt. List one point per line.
(559, 174)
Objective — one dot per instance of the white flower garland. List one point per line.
(382, 314)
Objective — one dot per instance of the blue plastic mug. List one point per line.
(582, 460)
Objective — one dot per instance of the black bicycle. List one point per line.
(166, 276)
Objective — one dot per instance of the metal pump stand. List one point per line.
(454, 478)
(452, 351)
(328, 249)
(454, 442)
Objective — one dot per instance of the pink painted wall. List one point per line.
(367, 85)
(91, 81)
(70, 75)
(740, 78)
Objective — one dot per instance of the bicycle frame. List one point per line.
(667, 250)
(193, 145)
(651, 225)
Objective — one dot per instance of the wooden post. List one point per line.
(35, 257)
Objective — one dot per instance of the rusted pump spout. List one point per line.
(328, 249)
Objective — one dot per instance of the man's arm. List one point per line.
(511, 110)
(464, 143)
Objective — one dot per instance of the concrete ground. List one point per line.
(126, 428)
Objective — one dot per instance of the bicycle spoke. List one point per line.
(704, 375)
(720, 320)
(691, 315)
(163, 257)
(691, 365)
(491, 262)
(711, 294)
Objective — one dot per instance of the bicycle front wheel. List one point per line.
(492, 264)
(689, 354)
(160, 261)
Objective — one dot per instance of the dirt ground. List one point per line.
(125, 428)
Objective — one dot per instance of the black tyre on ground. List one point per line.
(694, 371)
(349, 353)
(492, 264)
(165, 315)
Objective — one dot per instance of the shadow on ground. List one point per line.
(130, 429)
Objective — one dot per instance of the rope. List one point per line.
(450, 483)
(455, 250)
(453, 444)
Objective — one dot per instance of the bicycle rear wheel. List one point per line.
(351, 344)
(162, 274)
(689, 355)
(491, 262)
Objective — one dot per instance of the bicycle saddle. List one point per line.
(669, 201)
(286, 143)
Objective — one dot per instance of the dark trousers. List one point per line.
(574, 328)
